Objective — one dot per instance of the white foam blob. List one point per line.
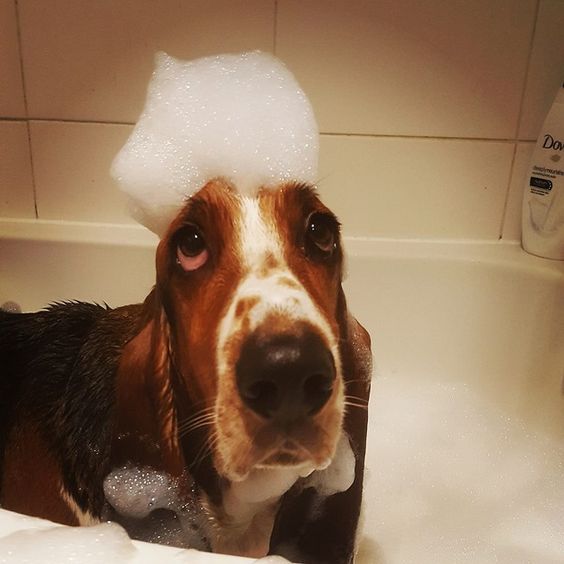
(137, 494)
(107, 543)
(242, 117)
(452, 478)
(263, 484)
(338, 476)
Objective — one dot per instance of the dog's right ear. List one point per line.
(145, 416)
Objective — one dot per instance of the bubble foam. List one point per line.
(154, 507)
(453, 478)
(242, 117)
(339, 474)
(106, 543)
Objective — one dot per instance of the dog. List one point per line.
(243, 367)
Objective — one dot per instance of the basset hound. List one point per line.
(242, 381)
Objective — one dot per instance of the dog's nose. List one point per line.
(285, 377)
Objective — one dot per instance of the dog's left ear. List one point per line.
(317, 530)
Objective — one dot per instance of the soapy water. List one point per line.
(339, 475)
(451, 478)
(153, 507)
(107, 543)
(242, 117)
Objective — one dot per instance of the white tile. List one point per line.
(512, 222)
(407, 67)
(11, 88)
(16, 184)
(71, 165)
(88, 60)
(546, 70)
(394, 187)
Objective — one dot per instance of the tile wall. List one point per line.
(428, 110)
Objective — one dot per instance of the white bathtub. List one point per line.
(449, 322)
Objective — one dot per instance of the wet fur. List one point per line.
(57, 374)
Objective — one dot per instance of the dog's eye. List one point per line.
(191, 251)
(321, 235)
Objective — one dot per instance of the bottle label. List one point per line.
(540, 186)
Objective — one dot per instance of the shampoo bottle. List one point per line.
(543, 200)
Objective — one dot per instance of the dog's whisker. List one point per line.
(195, 420)
(360, 406)
(201, 415)
(189, 430)
(199, 412)
(195, 425)
(206, 449)
(358, 399)
(245, 453)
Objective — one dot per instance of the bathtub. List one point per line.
(466, 433)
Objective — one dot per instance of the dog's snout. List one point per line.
(284, 377)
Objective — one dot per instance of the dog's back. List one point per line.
(56, 380)
(40, 349)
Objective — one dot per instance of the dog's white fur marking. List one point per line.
(251, 506)
(85, 519)
(258, 241)
(270, 287)
(257, 238)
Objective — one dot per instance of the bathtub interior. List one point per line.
(465, 449)
(465, 455)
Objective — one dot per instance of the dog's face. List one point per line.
(251, 289)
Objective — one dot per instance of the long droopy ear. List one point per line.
(146, 425)
(315, 530)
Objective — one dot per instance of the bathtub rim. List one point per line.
(502, 252)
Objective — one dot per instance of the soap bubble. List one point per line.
(241, 117)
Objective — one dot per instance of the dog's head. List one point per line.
(251, 290)
(244, 333)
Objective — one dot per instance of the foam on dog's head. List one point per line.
(241, 117)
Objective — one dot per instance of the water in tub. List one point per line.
(451, 479)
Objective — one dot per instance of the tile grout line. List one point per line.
(322, 133)
(519, 118)
(527, 69)
(72, 120)
(275, 28)
(423, 137)
(507, 191)
(28, 128)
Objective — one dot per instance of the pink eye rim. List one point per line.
(189, 264)
(191, 249)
